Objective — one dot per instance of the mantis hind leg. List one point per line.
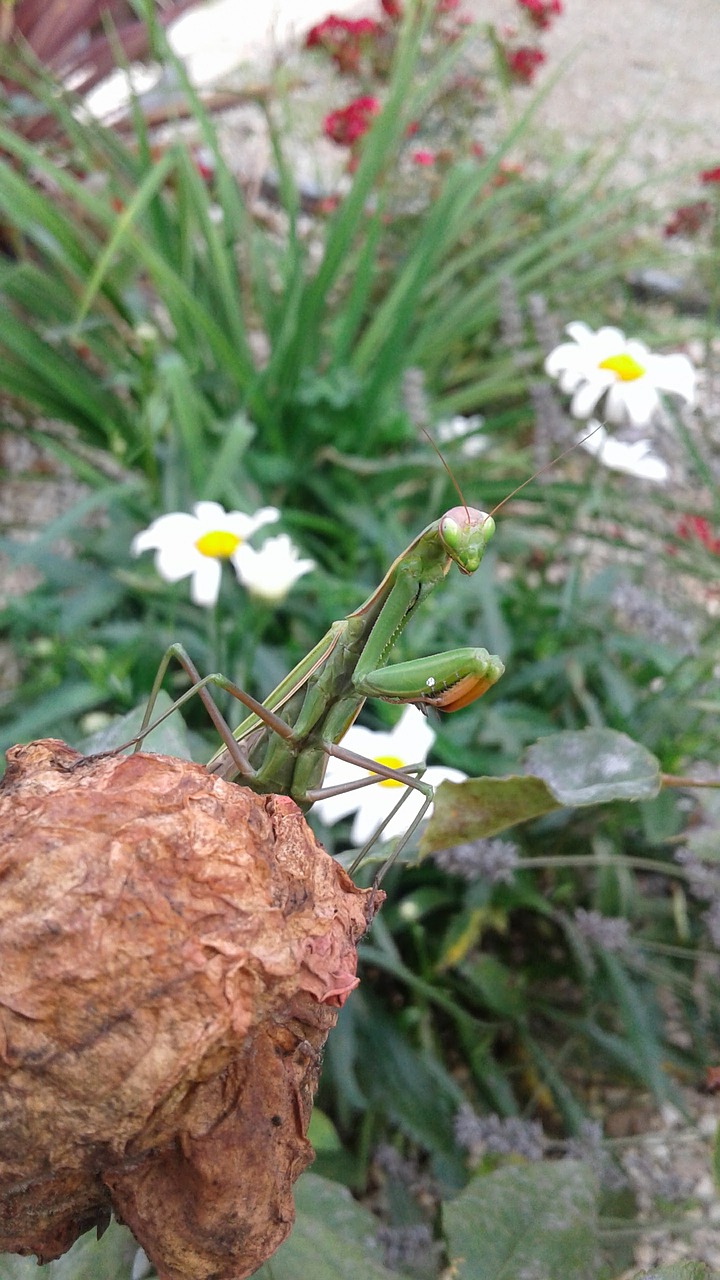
(377, 772)
(405, 837)
(411, 778)
(200, 687)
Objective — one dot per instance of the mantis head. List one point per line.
(465, 532)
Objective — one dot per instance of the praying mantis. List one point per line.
(323, 694)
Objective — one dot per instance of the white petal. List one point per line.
(609, 341)
(570, 379)
(205, 585)
(244, 525)
(174, 561)
(567, 355)
(266, 515)
(210, 515)
(675, 373)
(586, 397)
(641, 401)
(651, 467)
(614, 409)
(270, 572)
(639, 352)
(438, 773)
(145, 541)
(579, 331)
(655, 469)
(632, 459)
(369, 742)
(175, 526)
(335, 808)
(375, 806)
(412, 737)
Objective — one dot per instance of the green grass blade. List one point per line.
(152, 182)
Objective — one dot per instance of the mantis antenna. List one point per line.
(453, 481)
(548, 465)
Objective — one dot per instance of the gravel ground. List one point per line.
(648, 66)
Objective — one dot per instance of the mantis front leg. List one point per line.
(448, 681)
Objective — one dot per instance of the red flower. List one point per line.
(349, 123)
(710, 175)
(697, 529)
(342, 38)
(423, 157)
(688, 219)
(523, 62)
(541, 12)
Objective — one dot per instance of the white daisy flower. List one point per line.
(270, 572)
(622, 369)
(407, 744)
(636, 459)
(194, 546)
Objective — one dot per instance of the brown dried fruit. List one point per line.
(173, 952)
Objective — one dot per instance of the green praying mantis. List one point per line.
(323, 694)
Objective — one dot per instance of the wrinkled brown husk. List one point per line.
(173, 952)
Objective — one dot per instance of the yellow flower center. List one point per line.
(390, 762)
(624, 366)
(218, 544)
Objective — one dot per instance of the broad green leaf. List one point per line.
(571, 769)
(482, 807)
(169, 739)
(109, 1258)
(333, 1238)
(536, 1221)
(594, 766)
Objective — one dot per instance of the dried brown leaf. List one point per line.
(173, 952)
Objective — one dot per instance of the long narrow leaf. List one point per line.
(150, 184)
